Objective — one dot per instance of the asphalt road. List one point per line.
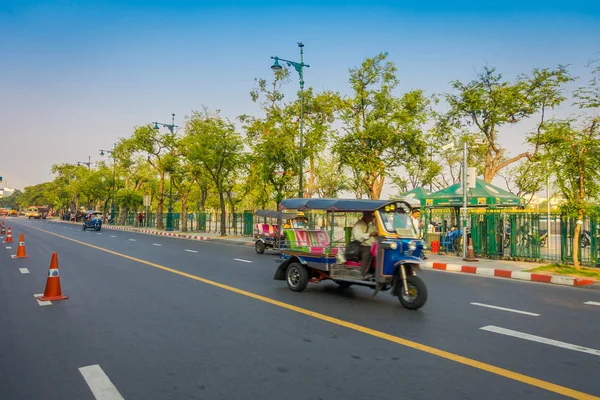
(167, 318)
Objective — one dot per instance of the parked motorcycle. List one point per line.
(585, 239)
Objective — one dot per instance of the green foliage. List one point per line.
(212, 143)
(11, 201)
(383, 132)
(272, 139)
(572, 154)
(488, 103)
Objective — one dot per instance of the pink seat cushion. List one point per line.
(352, 264)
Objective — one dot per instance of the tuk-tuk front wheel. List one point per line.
(417, 292)
(296, 277)
(84, 227)
(260, 247)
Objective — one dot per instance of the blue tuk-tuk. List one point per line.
(314, 255)
(92, 220)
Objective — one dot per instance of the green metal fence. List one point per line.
(521, 235)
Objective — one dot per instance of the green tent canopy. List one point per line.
(483, 195)
(417, 193)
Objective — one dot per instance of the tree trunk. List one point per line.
(223, 219)
(184, 199)
(203, 197)
(576, 240)
(311, 178)
(160, 202)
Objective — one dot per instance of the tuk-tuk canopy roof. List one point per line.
(276, 214)
(343, 205)
(482, 195)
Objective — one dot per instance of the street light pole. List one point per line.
(88, 163)
(299, 67)
(112, 207)
(464, 187)
(171, 128)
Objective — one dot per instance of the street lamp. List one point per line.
(88, 163)
(112, 207)
(300, 69)
(171, 128)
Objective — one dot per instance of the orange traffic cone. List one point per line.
(21, 253)
(470, 252)
(8, 236)
(53, 291)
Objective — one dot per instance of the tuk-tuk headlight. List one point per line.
(412, 246)
(393, 245)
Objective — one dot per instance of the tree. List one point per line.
(12, 200)
(382, 132)
(212, 143)
(158, 148)
(526, 178)
(573, 154)
(330, 176)
(320, 112)
(272, 139)
(488, 103)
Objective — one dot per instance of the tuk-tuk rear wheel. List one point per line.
(417, 292)
(259, 247)
(296, 277)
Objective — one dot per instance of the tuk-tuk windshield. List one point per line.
(399, 222)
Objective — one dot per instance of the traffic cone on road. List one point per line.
(53, 291)
(21, 253)
(470, 252)
(8, 236)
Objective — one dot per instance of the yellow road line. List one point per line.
(363, 329)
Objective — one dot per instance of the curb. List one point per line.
(159, 233)
(504, 273)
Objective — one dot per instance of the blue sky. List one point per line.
(77, 75)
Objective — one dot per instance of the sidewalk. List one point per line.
(216, 237)
(501, 269)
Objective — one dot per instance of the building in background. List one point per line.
(6, 191)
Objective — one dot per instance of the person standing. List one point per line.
(416, 213)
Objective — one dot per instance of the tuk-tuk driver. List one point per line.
(365, 232)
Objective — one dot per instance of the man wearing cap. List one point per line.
(365, 232)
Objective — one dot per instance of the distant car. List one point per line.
(13, 213)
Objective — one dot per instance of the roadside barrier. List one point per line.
(470, 252)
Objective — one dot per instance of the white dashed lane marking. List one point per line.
(540, 339)
(191, 251)
(40, 302)
(100, 385)
(506, 309)
(241, 260)
(132, 240)
(589, 303)
(24, 270)
(156, 244)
